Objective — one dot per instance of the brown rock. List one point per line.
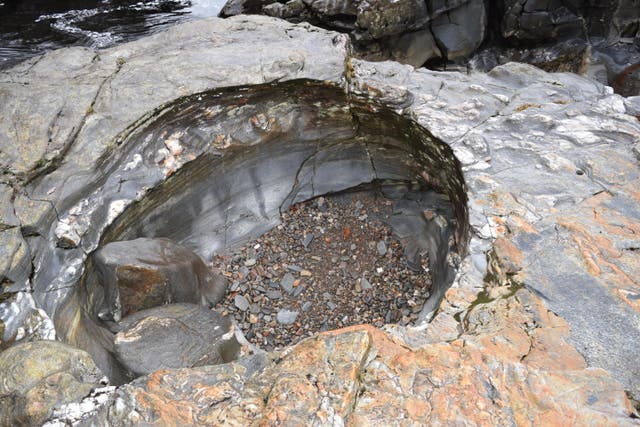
(146, 273)
(37, 376)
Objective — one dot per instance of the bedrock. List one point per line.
(541, 325)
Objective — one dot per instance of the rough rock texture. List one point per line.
(545, 171)
(541, 325)
(174, 336)
(578, 36)
(363, 376)
(37, 376)
(144, 273)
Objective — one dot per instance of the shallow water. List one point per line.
(31, 27)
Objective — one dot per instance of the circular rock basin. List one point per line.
(214, 171)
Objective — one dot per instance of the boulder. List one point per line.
(145, 273)
(414, 48)
(380, 18)
(539, 21)
(461, 30)
(37, 376)
(174, 336)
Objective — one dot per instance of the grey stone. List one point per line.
(286, 317)
(287, 283)
(364, 284)
(174, 336)
(461, 31)
(381, 246)
(250, 262)
(274, 294)
(307, 240)
(306, 306)
(415, 48)
(241, 302)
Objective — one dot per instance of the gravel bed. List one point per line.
(333, 262)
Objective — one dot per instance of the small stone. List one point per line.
(305, 273)
(254, 308)
(306, 306)
(287, 283)
(382, 248)
(274, 294)
(253, 319)
(307, 240)
(331, 305)
(241, 302)
(250, 262)
(295, 268)
(364, 284)
(353, 247)
(286, 317)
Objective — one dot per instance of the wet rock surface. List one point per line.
(174, 336)
(325, 267)
(37, 376)
(540, 325)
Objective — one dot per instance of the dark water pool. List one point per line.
(30, 27)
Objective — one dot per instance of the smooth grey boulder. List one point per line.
(461, 30)
(145, 273)
(37, 376)
(174, 336)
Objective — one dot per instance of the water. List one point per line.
(31, 27)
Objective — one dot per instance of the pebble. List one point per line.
(286, 317)
(307, 240)
(364, 284)
(295, 268)
(250, 262)
(382, 248)
(274, 294)
(287, 283)
(241, 302)
(307, 306)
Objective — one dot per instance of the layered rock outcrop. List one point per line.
(541, 324)
(576, 36)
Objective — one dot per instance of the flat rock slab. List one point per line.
(174, 336)
(145, 273)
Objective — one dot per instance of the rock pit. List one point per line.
(538, 327)
(216, 170)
